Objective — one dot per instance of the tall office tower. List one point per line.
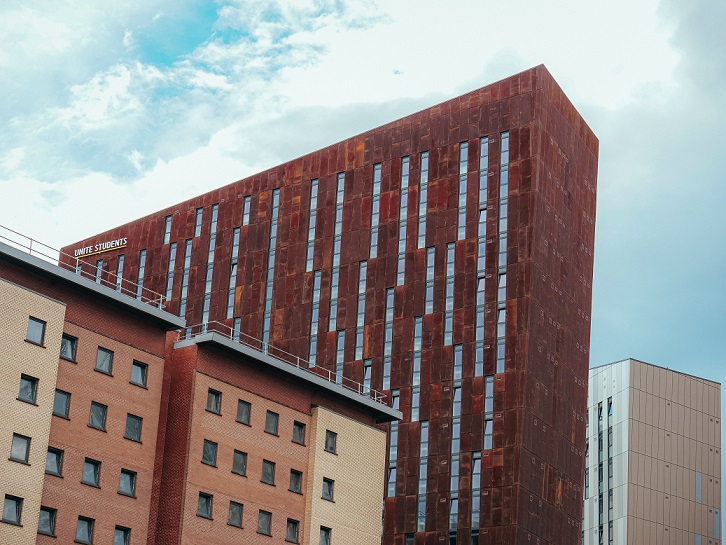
(653, 463)
(444, 258)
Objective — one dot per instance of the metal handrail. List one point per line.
(280, 355)
(75, 264)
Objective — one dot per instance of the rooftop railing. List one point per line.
(282, 356)
(81, 267)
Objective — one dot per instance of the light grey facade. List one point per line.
(653, 458)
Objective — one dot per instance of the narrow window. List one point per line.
(423, 199)
(375, 209)
(170, 271)
(61, 403)
(12, 510)
(84, 530)
(204, 505)
(133, 427)
(298, 432)
(268, 472)
(243, 412)
(104, 361)
(291, 534)
(314, 318)
(214, 401)
(246, 211)
(269, 279)
(403, 221)
(54, 462)
(367, 366)
(234, 261)
(463, 167)
(46, 521)
(209, 453)
(142, 269)
(91, 472)
(235, 514)
(68, 347)
(422, 476)
(167, 230)
(325, 535)
(97, 416)
(99, 270)
(430, 261)
(331, 441)
(339, 356)
(271, 422)
(239, 462)
(210, 265)
(337, 241)
(488, 434)
(36, 331)
(127, 483)
(28, 390)
(139, 372)
(328, 485)
(449, 307)
(388, 338)
(198, 223)
(20, 448)
(295, 481)
(121, 536)
(311, 225)
(360, 321)
(185, 278)
(264, 523)
(119, 272)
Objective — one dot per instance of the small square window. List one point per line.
(325, 535)
(84, 530)
(204, 506)
(12, 509)
(239, 463)
(36, 331)
(61, 403)
(271, 422)
(209, 453)
(214, 401)
(97, 417)
(268, 472)
(133, 427)
(298, 432)
(121, 536)
(68, 347)
(331, 441)
(46, 521)
(243, 412)
(328, 485)
(104, 361)
(54, 462)
(20, 448)
(127, 483)
(91, 472)
(296, 481)
(28, 389)
(293, 527)
(235, 514)
(139, 372)
(264, 523)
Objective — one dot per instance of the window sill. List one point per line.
(139, 385)
(127, 495)
(23, 462)
(133, 440)
(95, 428)
(302, 445)
(235, 526)
(331, 452)
(291, 541)
(47, 535)
(72, 361)
(295, 492)
(91, 485)
(271, 433)
(61, 416)
(244, 423)
(213, 412)
(238, 473)
(33, 403)
(327, 499)
(10, 522)
(103, 372)
(264, 534)
(54, 475)
(40, 346)
(204, 517)
(83, 542)
(209, 464)
(268, 484)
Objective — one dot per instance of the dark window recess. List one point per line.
(46, 521)
(204, 505)
(133, 427)
(104, 361)
(271, 422)
(214, 401)
(36, 331)
(121, 536)
(139, 372)
(209, 453)
(298, 432)
(61, 403)
(295, 481)
(28, 390)
(127, 483)
(97, 417)
(264, 523)
(293, 529)
(328, 485)
(20, 448)
(239, 463)
(243, 412)
(268, 472)
(235, 514)
(84, 530)
(331, 441)
(91, 472)
(54, 462)
(68, 347)
(12, 509)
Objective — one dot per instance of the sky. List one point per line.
(111, 111)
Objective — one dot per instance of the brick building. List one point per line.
(444, 258)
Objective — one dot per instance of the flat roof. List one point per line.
(654, 365)
(384, 412)
(58, 274)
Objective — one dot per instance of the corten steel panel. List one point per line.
(540, 399)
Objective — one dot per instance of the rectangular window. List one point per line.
(119, 272)
(291, 534)
(311, 225)
(449, 308)
(139, 372)
(209, 453)
(417, 345)
(46, 521)
(409, 539)
(243, 412)
(328, 485)
(314, 317)
(121, 536)
(270, 277)
(234, 262)
(458, 362)
(430, 261)
(501, 339)
(235, 514)
(68, 347)
(12, 510)
(214, 401)
(298, 432)
(133, 427)
(337, 242)
(367, 365)
(391, 487)
(84, 530)
(325, 534)
(246, 210)
(489, 397)
(28, 389)
(717, 524)
(204, 505)
(104, 361)
(375, 209)
(423, 199)
(475, 489)
(388, 338)
(98, 271)
(36, 331)
(295, 481)
(239, 462)
(185, 278)
(20, 448)
(170, 271)
(127, 483)
(271, 422)
(198, 223)
(54, 462)
(91, 472)
(403, 221)
(331, 441)
(339, 356)
(453, 515)
(61, 403)
(415, 403)
(167, 230)
(268, 472)
(488, 434)
(206, 305)
(97, 416)
(463, 167)
(264, 523)
(360, 322)
(142, 269)
(422, 475)
(236, 326)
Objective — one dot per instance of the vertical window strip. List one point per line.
(393, 449)
(142, 271)
(481, 256)
(234, 261)
(311, 224)
(360, 322)
(210, 264)
(236, 328)
(463, 167)
(170, 271)
(423, 203)
(488, 411)
(99, 270)
(198, 222)
(403, 221)
(339, 356)
(455, 438)
(475, 489)
(185, 278)
(430, 262)
(479, 327)
(270, 267)
(119, 272)
(375, 209)
(502, 259)
(422, 476)
(246, 211)
(367, 365)
(416, 373)
(388, 339)
(335, 275)
(449, 309)
(312, 357)
(167, 230)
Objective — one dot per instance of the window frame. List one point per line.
(238, 454)
(43, 324)
(90, 522)
(96, 465)
(18, 509)
(73, 341)
(27, 441)
(298, 475)
(331, 442)
(326, 535)
(297, 429)
(145, 373)
(270, 417)
(58, 453)
(292, 523)
(267, 517)
(271, 465)
(131, 418)
(52, 514)
(34, 384)
(242, 403)
(125, 534)
(132, 479)
(102, 370)
(214, 396)
(210, 498)
(102, 407)
(68, 404)
(215, 446)
(328, 492)
(241, 506)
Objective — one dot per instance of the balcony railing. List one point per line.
(282, 356)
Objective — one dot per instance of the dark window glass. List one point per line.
(97, 418)
(331, 441)
(264, 523)
(204, 506)
(139, 372)
(84, 530)
(68, 347)
(127, 483)
(268, 472)
(298, 432)
(295, 481)
(121, 536)
(325, 535)
(91, 472)
(292, 530)
(20, 448)
(243, 412)
(271, 421)
(209, 453)
(36, 331)
(239, 463)
(61, 403)
(28, 389)
(328, 485)
(214, 401)
(235, 514)
(46, 521)
(104, 361)
(167, 235)
(409, 539)
(12, 509)
(133, 427)
(54, 462)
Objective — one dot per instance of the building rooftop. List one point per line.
(653, 365)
